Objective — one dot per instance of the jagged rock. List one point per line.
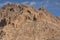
(23, 22)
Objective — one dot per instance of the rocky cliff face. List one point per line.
(23, 22)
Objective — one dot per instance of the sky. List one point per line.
(53, 6)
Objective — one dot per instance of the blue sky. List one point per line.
(52, 6)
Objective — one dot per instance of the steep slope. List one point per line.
(23, 22)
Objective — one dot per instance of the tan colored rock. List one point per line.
(23, 22)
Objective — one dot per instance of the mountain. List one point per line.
(24, 22)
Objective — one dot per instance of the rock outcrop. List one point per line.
(23, 22)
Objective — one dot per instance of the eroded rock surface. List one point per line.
(23, 22)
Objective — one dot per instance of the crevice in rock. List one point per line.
(12, 23)
(2, 34)
(28, 18)
(3, 22)
(12, 9)
(21, 8)
(28, 11)
(34, 18)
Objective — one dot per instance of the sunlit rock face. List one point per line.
(23, 22)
